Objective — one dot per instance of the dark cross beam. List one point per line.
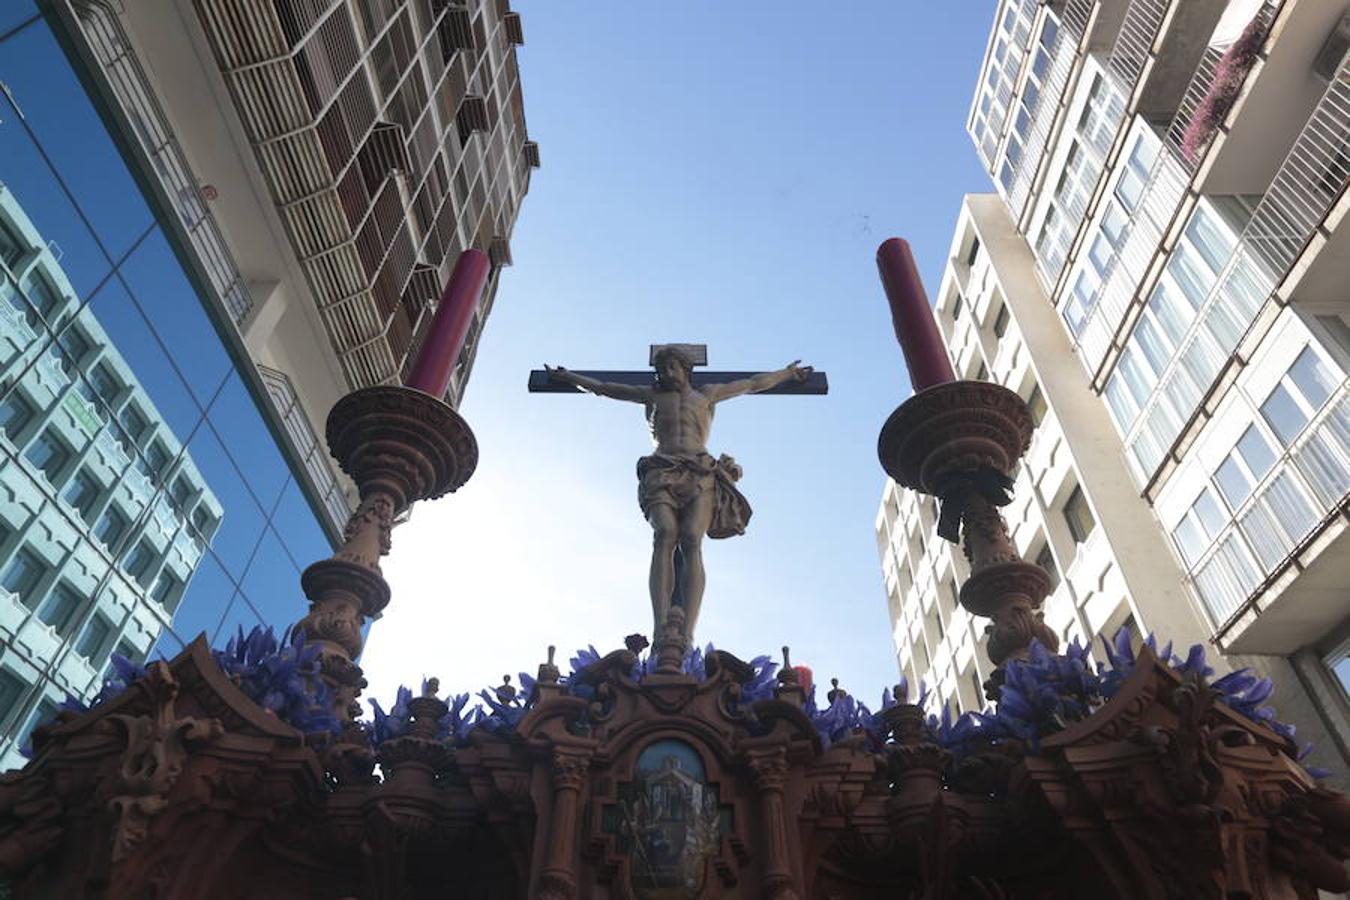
(541, 383)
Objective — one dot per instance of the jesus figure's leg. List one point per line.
(661, 582)
(694, 522)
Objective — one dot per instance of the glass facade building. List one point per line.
(150, 487)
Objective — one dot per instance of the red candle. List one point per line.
(450, 326)
(915, 327)
(805, 679)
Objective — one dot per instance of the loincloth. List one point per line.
(678, 481)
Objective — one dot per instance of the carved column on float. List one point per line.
(558, 879)
(399, 445)
(769, 770)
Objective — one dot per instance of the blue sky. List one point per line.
(713, 172)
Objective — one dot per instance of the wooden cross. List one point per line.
(541, 383)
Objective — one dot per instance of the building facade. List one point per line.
(1158, 276)
(353, 149)
(178, 316)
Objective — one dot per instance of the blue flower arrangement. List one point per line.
(1045, 693)
(1041, 695)
(283, 677)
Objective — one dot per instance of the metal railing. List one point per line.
(1134, 43)
(308, 448)
(1201, 82)
(106, 38)
(1161, 196)
(1063, 52)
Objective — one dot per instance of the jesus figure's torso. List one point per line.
(680, 421)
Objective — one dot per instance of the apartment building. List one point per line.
(1159, 274)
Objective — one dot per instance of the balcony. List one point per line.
(1275, 105)
(1179, 49)
(1307, 186)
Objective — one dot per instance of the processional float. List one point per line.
(668, 771)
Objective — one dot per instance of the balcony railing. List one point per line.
(306, 445)
(1162, 194)
(1134, 43)
(104, 34)
(1073, 23)
(1312, 178)
(1309, 483)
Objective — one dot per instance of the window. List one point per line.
(974, 252)
(1209, 238)
(105, 384)
(22, 575)
(12, 688)
(935, 622)
(1001, 321)
(15, 414)
(42, 295)
(96, 634)
(1311, 379)
(1199, 527)
(1130, 188)
(82, 492)
(45, 712)
(1082, 298)
(201, 522)
(155, 460)
(1036, 404)
(181, 494)
(49, 454)
(74, 347)
(110, 528)
(1046, 560)
(977, 685)
(1101, 114)
(12, 247)
(1297, 397)
(956, 308)
(982, 373)
(1247, 463)
(1078, 515)
(139, 560)
(61, 608)
(128, 651)
(167, 590)
(133, 425)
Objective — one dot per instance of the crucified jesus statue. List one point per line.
(683, 491)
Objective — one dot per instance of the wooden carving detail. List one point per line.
(157, 747)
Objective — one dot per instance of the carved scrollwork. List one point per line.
(157, 747)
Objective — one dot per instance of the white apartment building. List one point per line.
(1162, 276)
(327, 161)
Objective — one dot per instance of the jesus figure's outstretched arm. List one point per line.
(630, 392)
(756, 383)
